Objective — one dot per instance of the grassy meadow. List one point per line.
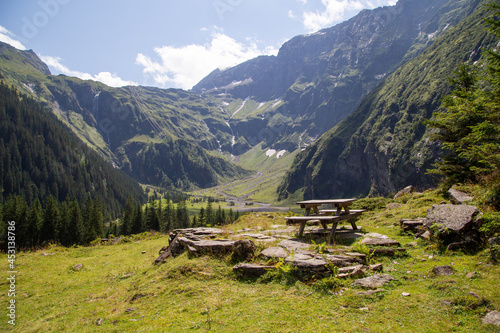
(118, 289)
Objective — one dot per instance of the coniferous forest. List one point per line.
(39, 157)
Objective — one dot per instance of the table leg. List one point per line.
(332, 232)
(301, 229)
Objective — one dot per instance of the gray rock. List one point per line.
(377, 267)
(408, 190)
(457, 197)
(443, 270)
(251, 270)
(456, 218)
(374, 281)
(411, 224)
(78, 267)
(492, 318)
(455, 223)
(274, 252)
(379, 242)
(294, 244)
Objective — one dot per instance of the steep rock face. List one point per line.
(383, 146)
(322, 77)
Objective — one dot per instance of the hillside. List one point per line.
(39, 157)
(385, 139)
(117, 287)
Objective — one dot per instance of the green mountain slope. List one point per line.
(39, 157)
(132, 126)
(383, 146)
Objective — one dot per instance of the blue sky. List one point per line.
(162, 43)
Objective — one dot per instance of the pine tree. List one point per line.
(128, 216)
(50, 221)
(167, 214)
(138, 222)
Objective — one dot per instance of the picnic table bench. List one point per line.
(313, 214)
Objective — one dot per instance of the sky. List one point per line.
(162, 43)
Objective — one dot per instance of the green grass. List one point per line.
(119, 287)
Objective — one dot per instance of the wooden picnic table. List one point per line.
(339, 212)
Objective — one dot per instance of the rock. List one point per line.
(274, 252)
(406, 191)
(174, 249)
(471, 275)
(77, 267)
(358, 272)
(411, 224)
(379, 242)
(374, 281)
(143, 252)
(494, 244)
(342, 261)
(492, 318)
(251, 270)
(442, 270)
(377, 267)
(259, 237)
(99, 321)
(455, 224)
(405, 294)
(130, 309)
(294, 244)
(457, 197)
(349, 269)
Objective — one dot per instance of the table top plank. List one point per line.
(326, 201)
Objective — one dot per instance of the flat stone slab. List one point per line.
(379, 241)
(294, 244)
(492, 318)
(310, 264)
(259, 237)
(374, 281)
(274, 252)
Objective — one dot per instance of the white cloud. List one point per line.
(8, 37)
(105, 77)
(339, 10)
(185, 66)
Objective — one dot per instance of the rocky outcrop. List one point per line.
(455, 226)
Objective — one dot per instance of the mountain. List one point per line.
(384, 145)
(165, 137)
(40, 157)
(208, 136)
(317, 80)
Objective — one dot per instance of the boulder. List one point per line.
(443, 270)
(408, 190)
(251, 270)
(455, 224)
(458, 197)
(374, 281)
